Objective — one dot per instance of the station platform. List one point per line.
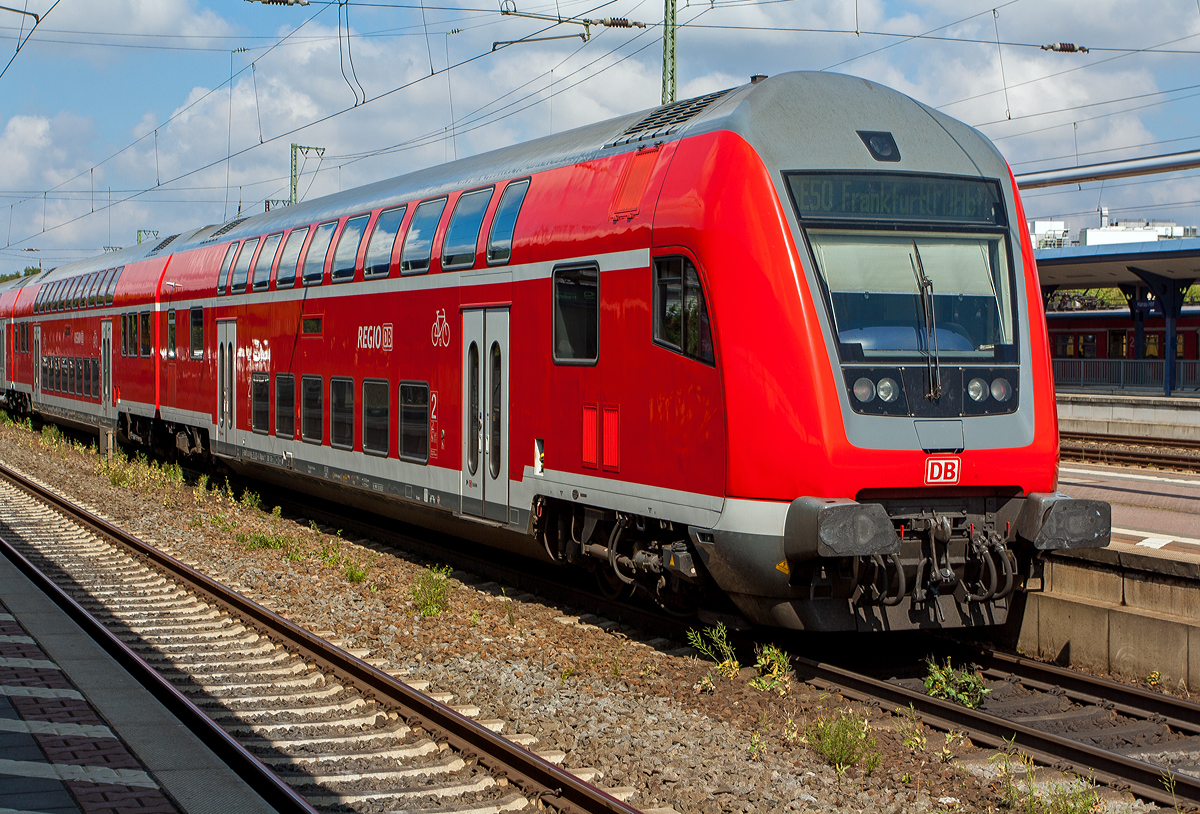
(1132, 608)
(78, 735)
(1174, 418)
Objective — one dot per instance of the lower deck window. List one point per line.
(376, 419)
(145, 333)
(312, 424)
(260, 402)
(414, 421)
(285, 405)
(577, 314)
(341, 413)
(95, 378)
(197, 333)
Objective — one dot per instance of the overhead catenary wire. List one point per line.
(492, 116)
(176, 115)
(285, 134)
(24, 38)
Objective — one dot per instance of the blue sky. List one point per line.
(81, 103)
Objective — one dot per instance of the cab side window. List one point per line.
(680, 311)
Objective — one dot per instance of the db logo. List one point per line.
(942, 470)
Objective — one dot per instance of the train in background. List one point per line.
(1110, 333)
(781, 345)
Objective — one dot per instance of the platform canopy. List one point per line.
(1108, 266)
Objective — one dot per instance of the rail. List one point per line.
(1125, 449)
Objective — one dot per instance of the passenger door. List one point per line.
(106, 394)
(226, 387)
(37, 362)
(485, 414)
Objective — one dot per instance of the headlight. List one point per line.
(1001, 390)
(888, 390)
(977, 389)
(864, 390)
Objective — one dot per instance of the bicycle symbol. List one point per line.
(441, 330)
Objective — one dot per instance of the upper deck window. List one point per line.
(346, 255)
(223, 280)
(462, 235)
(504, 222)
(73, 294)
(383, 239)
(241, 269)
(260, 278)
(285, 277)
(112, 285)
(318, 247)
(97, 285)
(418, 243)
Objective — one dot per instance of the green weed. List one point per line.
(912, 730)
(356, 572)
(251, 500)
(845, 740)
(1019, 790)
(961, 686)
(268, 541)
(717, 648)
(773, 665)
(431, 591)
(757, 747)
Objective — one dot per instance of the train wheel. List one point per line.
(609, 584)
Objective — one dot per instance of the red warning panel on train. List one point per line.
(942, 471)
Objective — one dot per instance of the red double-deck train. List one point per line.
(782, 343)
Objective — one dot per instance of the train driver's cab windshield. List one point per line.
(912, 266)
(906, 294)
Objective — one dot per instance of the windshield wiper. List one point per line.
(932, 361)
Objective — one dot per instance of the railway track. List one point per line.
(1123, 449)
(1123, 736)
(289, 705)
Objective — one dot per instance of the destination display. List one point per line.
(895, 196)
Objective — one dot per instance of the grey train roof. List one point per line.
(800, 120)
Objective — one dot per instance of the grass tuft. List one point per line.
(431, 592)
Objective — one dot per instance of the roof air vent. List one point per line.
(665, 120)
(161, 246)
(226, 228)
